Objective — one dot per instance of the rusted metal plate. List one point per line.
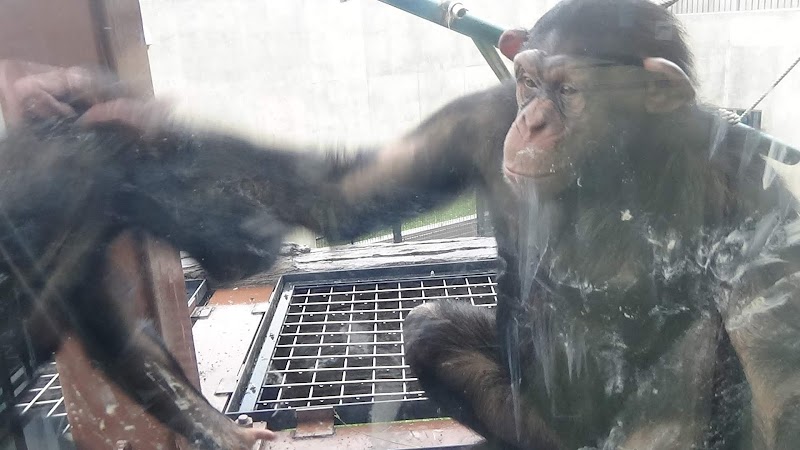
(33, 30)
(167, 298)
(241, 295)
(226, 386)
(260, 308)
(428, 434)
(201, 312)
(314, 422)
(99, 413)
(145, 280)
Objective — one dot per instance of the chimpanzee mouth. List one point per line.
(514, 174)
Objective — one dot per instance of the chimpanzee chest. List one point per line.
(606, 356)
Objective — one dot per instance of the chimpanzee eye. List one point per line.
(529, 82)
(567, 90)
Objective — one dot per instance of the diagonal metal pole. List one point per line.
(452, 15)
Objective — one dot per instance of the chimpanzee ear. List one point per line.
(669, 88)
(511, 42)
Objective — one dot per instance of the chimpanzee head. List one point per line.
(589, 74)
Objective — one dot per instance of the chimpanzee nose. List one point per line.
(535, 122)
(537, 116)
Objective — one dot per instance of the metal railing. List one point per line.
(714, 6)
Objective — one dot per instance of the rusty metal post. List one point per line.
(100, 414)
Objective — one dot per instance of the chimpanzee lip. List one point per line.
(528, 175)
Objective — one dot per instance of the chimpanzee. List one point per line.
(64, 196)
(650, 268)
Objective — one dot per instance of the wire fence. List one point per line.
(464, 217)
(714, 6)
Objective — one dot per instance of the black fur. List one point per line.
(622, 297)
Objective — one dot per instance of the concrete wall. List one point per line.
(740, 54)
(319, 70)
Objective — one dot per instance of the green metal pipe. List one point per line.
(464, 22)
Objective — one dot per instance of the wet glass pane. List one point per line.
(389, 224)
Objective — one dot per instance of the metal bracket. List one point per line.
(260, 308)
(226, 385)
(201, 312)
(314, 422)
(453, 10)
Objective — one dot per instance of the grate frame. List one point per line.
(328, 331)
(44, 398)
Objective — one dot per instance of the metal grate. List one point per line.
(38, 394)
(43, 397)
(339, 343)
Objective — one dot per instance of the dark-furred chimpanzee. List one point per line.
(650, 282)
(64, 196)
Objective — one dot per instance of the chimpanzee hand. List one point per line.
(34, 91)
(253, 435)
(146, 117)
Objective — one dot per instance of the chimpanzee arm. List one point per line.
(454, 349)
(764, 327)
(458, 146)
(218, 197)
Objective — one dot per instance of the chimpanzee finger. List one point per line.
(255, 434)
(73, 87)
(146, 117)
(40, 105)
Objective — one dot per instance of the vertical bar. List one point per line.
(319, 348)
(97, 409)
(493, 59)
(397, 233)
(469, 290)
(169, 307)
(403, 352)
(480, 213)
(349, 329)
(374, 351)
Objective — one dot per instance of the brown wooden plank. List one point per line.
(57, 33)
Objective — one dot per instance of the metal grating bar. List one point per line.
(41, 395)
(340, 343)
(44, 396)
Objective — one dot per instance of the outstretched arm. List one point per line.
(208, 184)
(226, 200)
(457, 147)
(337, 194)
